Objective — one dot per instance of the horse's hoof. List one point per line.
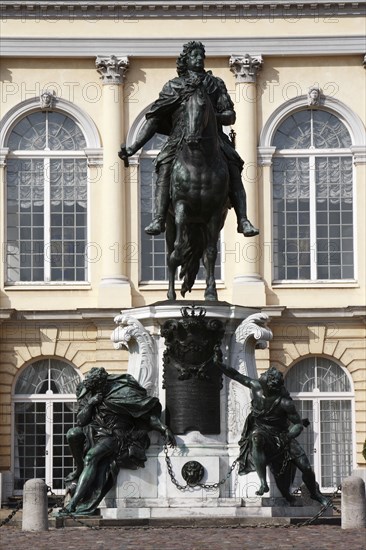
(211, 296)
(262, 489)
(171, 296)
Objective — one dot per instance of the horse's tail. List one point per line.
(194, 244)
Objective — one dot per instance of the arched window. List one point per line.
(44, 409)
(313, 198)
(323, 394)
(46, 194)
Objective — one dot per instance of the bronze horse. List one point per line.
(199, 197)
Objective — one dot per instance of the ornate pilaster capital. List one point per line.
(245, 67)
(112, 69)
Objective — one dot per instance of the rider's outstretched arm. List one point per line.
(148, 131)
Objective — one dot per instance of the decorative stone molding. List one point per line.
(265, 155)
(88, 47)
(329, 103)
(314, 95)
(359, 154)
(4, 151)
(29, 105)
(245, 67)
(141, 9)
(252, 333)
(47, 100)
(112, 69)
(142, 364)
(94, 156)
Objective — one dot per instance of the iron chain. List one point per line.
(12, 514)
(202, 485)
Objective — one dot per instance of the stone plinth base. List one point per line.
(210, 507)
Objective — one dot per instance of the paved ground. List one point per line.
(321, 537)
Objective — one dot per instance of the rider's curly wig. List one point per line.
(187, 49)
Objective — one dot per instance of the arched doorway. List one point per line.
(44, 408)
(323, 393)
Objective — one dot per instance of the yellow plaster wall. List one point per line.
(190, 28)
(84, 345)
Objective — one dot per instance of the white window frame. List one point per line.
(49, 399)
(266, 153)
(92, 153)
(312, 154)
(316, 397)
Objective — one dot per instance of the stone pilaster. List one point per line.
(114, 286)
(248, 287)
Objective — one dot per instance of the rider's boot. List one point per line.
(239, 201)
(162, 200)
(156, 227)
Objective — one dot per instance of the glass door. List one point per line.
(44, 410)
(61, 463)
(30, 443)
(327, 441)
(41, 449)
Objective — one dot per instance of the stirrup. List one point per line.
(156, 227)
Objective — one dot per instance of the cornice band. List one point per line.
(171, 47)
(141, 9)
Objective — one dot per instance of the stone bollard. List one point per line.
(353, 503)
(35, 512)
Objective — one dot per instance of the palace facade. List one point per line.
(77, 79)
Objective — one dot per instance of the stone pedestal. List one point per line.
(154, 492)
(150, 492)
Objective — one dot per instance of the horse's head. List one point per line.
(198, 114)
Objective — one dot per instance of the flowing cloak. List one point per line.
(168, 110)
(125, 408)
(272, 424)
(121, 424)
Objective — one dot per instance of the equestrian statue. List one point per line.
(198, 169)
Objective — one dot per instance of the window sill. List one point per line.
(47, 286)
(315, 284)
(163, 285)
